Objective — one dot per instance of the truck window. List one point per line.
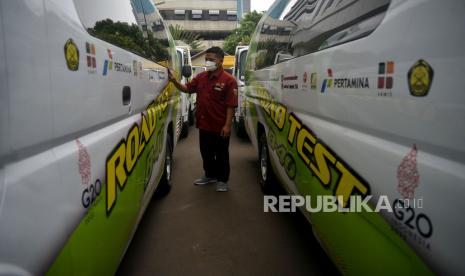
(243, 57)
(275, 33)
(179, 60)
(134, 25)
(298, 27)
(335, 22)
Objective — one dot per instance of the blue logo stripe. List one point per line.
(323, 86)
(105, 68)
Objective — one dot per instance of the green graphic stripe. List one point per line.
(97, 244)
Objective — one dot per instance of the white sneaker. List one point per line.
(221, 186)
(205, 180)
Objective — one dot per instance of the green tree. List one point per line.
(242, 34)
(191, 39)
(130, 37)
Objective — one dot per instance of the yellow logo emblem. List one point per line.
(71, 55)
(420, 77)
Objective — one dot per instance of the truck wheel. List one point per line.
(236, 125)
(165, 182)
(266, 174)
(184, 130)
(191, 117)
(240, 128)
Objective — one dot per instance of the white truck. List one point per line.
(239, 74)
(87, 129)
(363, 101)
(187, 100)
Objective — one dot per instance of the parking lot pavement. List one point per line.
(195, 230)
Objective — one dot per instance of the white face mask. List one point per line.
(211, 66)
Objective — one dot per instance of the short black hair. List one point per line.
(217, 51)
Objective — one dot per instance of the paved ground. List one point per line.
(197, 231)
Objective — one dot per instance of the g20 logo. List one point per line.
(419, 222)
(90, 194)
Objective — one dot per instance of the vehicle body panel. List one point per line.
(79, 162)
(382, 138)
(239, 71)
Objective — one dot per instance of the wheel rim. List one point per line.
(168, 168)
(263, 162)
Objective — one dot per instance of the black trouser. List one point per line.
(215, 155)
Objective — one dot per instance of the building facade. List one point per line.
(212, 20)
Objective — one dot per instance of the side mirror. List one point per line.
(186, 71)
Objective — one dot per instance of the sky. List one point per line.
(260, 5)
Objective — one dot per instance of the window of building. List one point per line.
(180, 14)
(232, 15)
(214, 14)
(125, 25)
(167, 14)
(196, 14)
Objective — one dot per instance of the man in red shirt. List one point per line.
(216, 99)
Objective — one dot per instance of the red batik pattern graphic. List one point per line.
(84, 163)
(407, 174)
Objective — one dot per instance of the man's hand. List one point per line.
(171, 77)
(226, 131)
(176, 83)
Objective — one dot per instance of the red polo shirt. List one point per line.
(215, 92)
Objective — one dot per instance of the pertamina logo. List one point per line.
(108, 65)
(328, 82)
(420, 77)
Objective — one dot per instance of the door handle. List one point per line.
(126, 95)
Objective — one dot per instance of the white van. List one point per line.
(198, 69)
(239, 71)
(356, 101)
(87, 128)
(187, 100)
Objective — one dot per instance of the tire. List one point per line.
(266, 174)
(191, 118)
(164, 187)
(184, 130)
(236, 125)
(240, 128)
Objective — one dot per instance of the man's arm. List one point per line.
(176, 83)
(226, 131)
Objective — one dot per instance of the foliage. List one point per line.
(191, 39)
(242, 34)
(130, 37)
